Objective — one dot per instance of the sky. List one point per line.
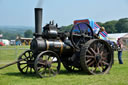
(63, 12)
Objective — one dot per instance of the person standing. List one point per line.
(120, 45)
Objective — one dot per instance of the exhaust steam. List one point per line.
(40, 4)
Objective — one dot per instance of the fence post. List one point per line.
(16, 51)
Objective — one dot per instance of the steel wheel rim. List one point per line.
(82, 38)
(47, 64)
(98, 57)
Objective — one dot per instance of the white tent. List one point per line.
(114, 37)
(5, 41)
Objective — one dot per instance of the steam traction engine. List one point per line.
(78, 50)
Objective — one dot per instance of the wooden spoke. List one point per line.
(105, 63)
(53, 71)
(105, 54)
(104, 58)
(89, 60)
(89, 52)
(93, 50)
(101, 53)
(91, 63)
(43, 72)
(26, 55)
(26, 70)
(100, 68)
(39, 67)
(78, 43)
(89, 56)
(24, 67)
(41, 63)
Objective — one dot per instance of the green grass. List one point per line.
(118, 75)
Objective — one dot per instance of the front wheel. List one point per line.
(47, 64)
(27, 64)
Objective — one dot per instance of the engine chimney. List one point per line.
(38, 22)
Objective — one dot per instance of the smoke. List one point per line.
(40, 4)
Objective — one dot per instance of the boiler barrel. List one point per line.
(54, 45)
(59, 47)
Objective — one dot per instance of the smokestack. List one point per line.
(38, 22)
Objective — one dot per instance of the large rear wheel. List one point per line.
(96, 57)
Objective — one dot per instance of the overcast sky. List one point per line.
(63, 12)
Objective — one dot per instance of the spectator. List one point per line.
(120, 45)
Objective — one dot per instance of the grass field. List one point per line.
(11, 76)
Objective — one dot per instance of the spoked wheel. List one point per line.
(27, 64)
(96, 57)
(47, 64)
(80, 34)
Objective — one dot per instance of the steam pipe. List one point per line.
(38, 22)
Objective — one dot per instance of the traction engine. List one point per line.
(78, 50)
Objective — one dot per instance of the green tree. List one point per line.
(122, 25)
(100, 24)
(66, 28)
(28, 33)
(110, 26)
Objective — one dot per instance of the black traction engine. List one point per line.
(78, 50)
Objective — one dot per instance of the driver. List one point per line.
(96, 33)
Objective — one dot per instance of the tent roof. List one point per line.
(125, 36)
(117, 35)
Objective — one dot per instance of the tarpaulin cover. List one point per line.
(95, 27)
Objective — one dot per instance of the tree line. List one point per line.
(113, 26)
(12, 35)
